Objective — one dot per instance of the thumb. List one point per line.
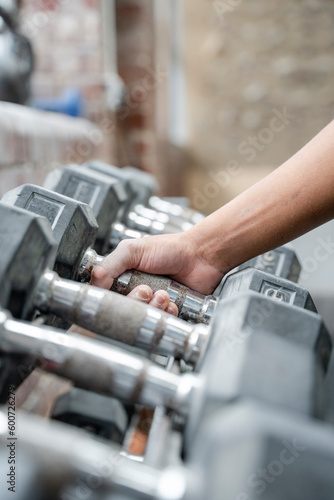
(125, 256)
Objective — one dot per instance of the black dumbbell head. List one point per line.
(28, 247)
(104, 194)
(73, 223)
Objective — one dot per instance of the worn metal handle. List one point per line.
(114, 316)
(94, 365)
(192, 305)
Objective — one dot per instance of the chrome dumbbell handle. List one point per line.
(162, 217)
(193, 306)
(120, 232)
(53, 453)
(110, 314)
(96, 366)
(90, 259)
(176, 210)
(138, 222)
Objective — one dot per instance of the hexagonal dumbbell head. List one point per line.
(105, 195)
(73, 223)
(264, 350)
(115, 173)
(272, 286)
(281, 261)
(266, 368)
(250, 451)
(139, 185)
(250, 311)
(27, 246)
(144, 183)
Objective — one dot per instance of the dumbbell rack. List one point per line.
(253, 422)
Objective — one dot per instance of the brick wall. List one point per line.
(143, 45)
(67, 39)
(66, 35)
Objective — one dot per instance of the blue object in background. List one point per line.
(70, 102)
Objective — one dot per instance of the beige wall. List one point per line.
(247, 61)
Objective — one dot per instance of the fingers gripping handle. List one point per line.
(192, 305)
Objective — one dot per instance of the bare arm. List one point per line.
(292, 200)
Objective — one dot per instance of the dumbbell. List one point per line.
(74, 228)
(73, 224)
(141, 187)
(96, 190)
(28, 249)
(199, 308)
(29, 285)
(61, 463)
(145, 185)
(89, 363)
(248, 452)
(282, 365)
(281, 262)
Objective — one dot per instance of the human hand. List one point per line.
(174, 255)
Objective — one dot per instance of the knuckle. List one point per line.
(124, 244)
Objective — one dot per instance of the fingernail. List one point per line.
(159, 299)
(170, 311)
(143, 294)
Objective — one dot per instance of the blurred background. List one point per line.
(209, 96)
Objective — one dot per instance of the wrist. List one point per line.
(218, 240)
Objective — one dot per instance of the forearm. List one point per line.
(292, 200)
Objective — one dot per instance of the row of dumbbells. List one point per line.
(247, 416)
